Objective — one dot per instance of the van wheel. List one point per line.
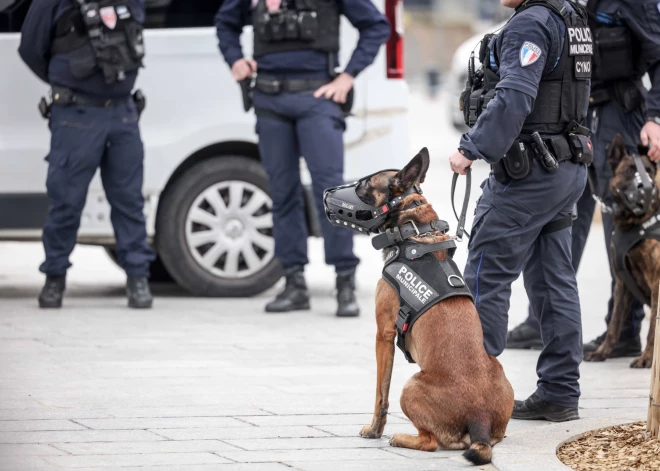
(214, 231)
(157, 271)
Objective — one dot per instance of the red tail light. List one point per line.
(394, 46)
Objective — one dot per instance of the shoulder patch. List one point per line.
(529, 53)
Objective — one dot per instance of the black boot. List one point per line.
(535, 408)
(52, 292)
(138, 292)
(346, 304)
(524, 337)
(630, 347)
(294, 297)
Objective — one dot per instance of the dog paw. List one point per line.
(642, 362)
(368, 432)
(393, 441)
(595, 356)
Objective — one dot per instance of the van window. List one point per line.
(12, 15)
(180, 13)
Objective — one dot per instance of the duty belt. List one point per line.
(273, 85)
(67, 97)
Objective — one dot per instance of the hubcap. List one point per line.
(229, 229)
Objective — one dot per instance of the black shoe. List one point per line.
(294, 297)
(524, 337)
(138, 292)
(630, 347)
(52, 292)
(346, 303)
(535, 408)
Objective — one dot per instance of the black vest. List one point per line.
(101, 36)
(298, 25)
(623, 242)
(564, 92)
(617, 51)
(421, 283)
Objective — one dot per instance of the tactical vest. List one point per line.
(421, 282)
(623, 242)
(296, 26)
(100, 36)
(617, 51)
(562, 93)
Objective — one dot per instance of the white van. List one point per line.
(199, 144)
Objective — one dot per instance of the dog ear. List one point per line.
(617, 152)
(414, 172)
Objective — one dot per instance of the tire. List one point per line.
(157, 271)
(214, 229)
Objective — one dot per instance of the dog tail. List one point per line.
(480, 451)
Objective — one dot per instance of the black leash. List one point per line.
(461, 220)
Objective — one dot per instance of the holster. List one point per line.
(246, 93)
(44, 108)
(140, 102)
(517, 161)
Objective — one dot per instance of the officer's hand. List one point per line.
(243, 68)
(336, 90)
(650, 137)
(458, 163)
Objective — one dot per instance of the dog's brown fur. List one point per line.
(461, 398)
(643, 259)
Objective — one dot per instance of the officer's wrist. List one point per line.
(467, 154)
(653, 118)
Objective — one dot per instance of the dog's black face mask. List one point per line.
(365, 205)
(633, 187)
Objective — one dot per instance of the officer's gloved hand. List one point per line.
(338, 89)
(243, 68)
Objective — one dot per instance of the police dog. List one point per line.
(643, 259)
(461, 399)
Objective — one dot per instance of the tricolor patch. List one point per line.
(529, 53)
(109, 17)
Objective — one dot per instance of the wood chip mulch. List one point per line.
(621, 448)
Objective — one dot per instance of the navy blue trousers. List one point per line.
(506, 241)
(312, 128)
(607, 121)
(83, 139)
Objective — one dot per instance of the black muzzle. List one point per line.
(638, 196)
(344, 208)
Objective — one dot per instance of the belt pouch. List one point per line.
(499, 172)
(581, 148)
(560, 147)
(517, 162)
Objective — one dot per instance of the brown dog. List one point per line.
(643, 259)
(461, 398)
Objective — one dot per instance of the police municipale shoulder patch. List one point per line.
(529, 53)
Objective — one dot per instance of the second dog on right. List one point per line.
(635, 244)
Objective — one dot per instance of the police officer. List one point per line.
(627, 42)
(298, 101)
(90, 54)
(534, 92)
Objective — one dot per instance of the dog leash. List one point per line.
(461, 220)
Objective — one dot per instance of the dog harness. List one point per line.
(623, 242)
(421, 281)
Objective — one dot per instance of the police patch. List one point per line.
(123, 12)
(109, 17)
(529, 53)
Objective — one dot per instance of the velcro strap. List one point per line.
(419, 250)
(557, 225)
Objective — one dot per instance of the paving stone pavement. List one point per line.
(216, 384)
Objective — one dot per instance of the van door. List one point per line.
(24, 136)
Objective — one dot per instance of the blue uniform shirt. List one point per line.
(36, 37)
(520, 74)
(373, 27)
(642, 17)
